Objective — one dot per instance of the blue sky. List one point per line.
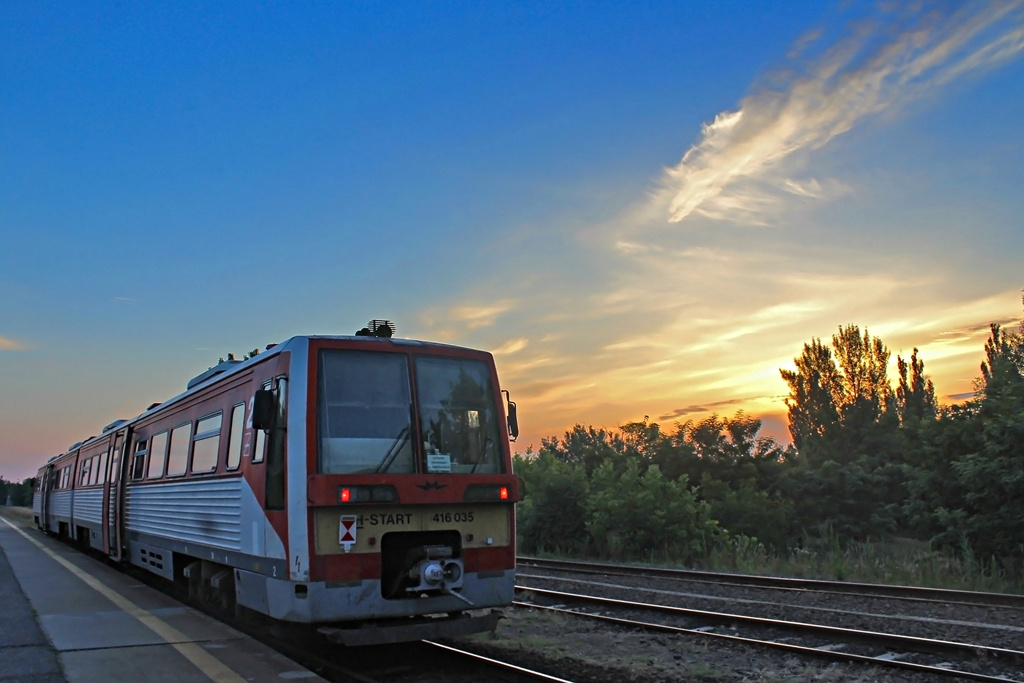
(641, 209)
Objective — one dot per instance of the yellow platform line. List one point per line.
(212, 667)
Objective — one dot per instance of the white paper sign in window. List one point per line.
(439, 462)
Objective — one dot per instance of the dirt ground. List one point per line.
(585, 651)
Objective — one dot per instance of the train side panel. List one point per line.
(192, 488)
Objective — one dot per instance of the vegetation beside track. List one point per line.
(22, 514)
(880, 484)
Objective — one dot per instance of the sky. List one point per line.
(642, 209)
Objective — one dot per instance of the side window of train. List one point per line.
(157, 455)
(100, 461)
(177, 454)
(139, 459)
(206, 445)
(115, 460)
(235, 436)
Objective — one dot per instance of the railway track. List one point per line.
(909, 593)
(416, 662)
(958, 618)
(921, 655)
(419, 662)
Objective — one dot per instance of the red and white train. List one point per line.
(362, 483)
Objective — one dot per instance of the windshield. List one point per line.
(458, 418)
(364, 410)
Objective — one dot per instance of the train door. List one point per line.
(44, 498)
(269, 472)
(113, 495)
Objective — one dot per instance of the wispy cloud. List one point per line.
(11, 345)
(737, 171)
(480, 316)
(701, 409)
(512, 346)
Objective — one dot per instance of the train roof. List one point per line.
(231, 366)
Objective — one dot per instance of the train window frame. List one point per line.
(236, 434)
(459, 420)
(173, 450)
(139, 459)
(204, 433)
(102, 476)
(163, 437)
(85, 470)
(114, 457)
(364, 410)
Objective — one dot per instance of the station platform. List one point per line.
(65, 616)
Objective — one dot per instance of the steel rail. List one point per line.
(507, 666)
(786, 647)
(918, 644)
(961, 597)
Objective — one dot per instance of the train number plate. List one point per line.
(448, 517)
(361, 529)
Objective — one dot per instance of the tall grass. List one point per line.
(896, 561)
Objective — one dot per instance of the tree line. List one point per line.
(871, 458)
(19, 494)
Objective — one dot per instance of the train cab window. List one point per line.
(157, 455)
(139, 460)
(260, 448)
(458, 416)
(235, 436)
(364, 411)
(206, 444)
(177, 454)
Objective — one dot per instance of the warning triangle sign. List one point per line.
(347, 529)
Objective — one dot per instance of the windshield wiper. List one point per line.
(396, 447)
(483, 454)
